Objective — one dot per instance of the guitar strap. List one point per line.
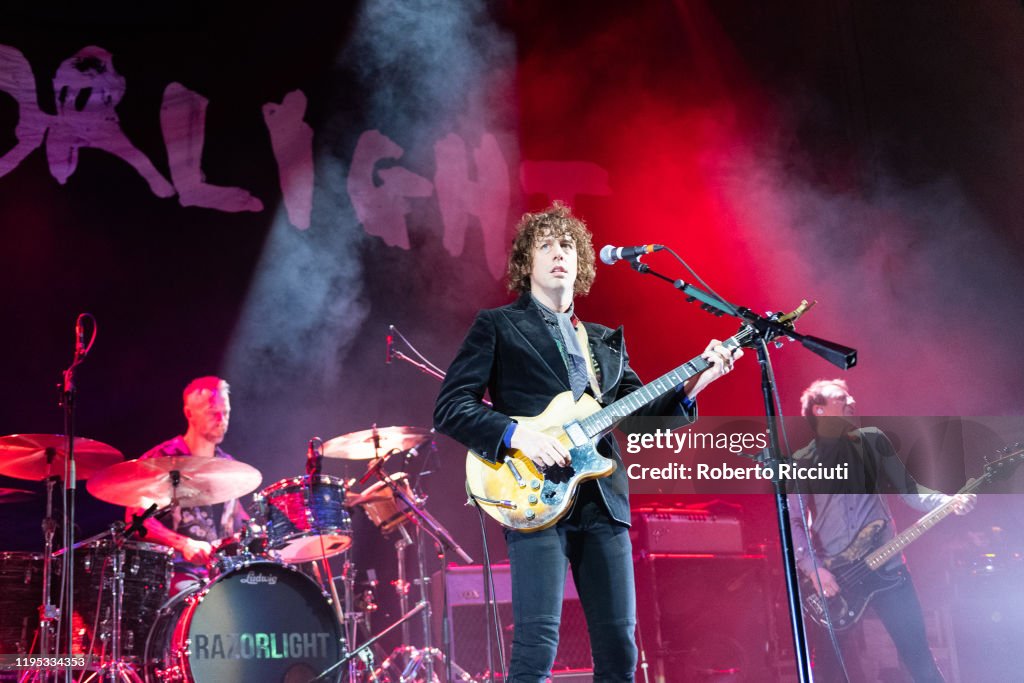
(581, 335)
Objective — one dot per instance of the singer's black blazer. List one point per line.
(510, 353)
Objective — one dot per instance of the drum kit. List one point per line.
(269, 609)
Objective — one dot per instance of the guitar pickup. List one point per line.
(510, 461)
(576, 434)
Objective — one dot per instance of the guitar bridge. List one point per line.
(515, 471)
(500, 503)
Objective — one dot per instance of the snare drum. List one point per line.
(264, 622)
(238, 550)
(306, 517)
(383, 507)
(21, 594)
(147, 576)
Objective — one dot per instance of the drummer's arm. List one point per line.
(240, 512)
(194, 551)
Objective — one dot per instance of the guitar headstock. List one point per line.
(1005, 461)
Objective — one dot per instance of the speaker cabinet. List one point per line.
(467, 615)
(988, 618)
(705, 618)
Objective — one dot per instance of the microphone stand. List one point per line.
(768, 328)
(67, 402)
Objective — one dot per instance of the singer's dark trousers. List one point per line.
(600, 554)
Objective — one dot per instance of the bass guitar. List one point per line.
(522, 496)
(856, 568)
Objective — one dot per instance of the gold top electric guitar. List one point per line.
(520, 495)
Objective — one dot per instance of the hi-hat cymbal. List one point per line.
(201, 481)
(15, 495)
(26, 456)
(370, 443)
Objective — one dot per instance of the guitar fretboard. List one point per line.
(878, 558)
(605, 419)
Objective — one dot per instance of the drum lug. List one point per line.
(170, 674)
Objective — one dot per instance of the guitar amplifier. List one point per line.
(681, 531)
(468, 618)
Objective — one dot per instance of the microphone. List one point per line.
(610, 254)
(138, 522)
(375, 466)
(390, 341)
(79, 337)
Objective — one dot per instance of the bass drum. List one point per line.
(265, 622)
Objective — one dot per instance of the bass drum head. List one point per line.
(264, 622)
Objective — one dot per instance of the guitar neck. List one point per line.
(604, 420)
(878, 558)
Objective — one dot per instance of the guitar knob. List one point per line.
(532, 498)
(530, 514)
(535, 484)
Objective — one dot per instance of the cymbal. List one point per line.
(23, 456)
(15, 495)
(360, 445)
(203, 481)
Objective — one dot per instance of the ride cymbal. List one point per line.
(189, 480)
(371, 443)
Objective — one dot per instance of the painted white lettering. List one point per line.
(183, 123)
(488, 198)
(291, 139)
(382, 208)
(17, 80)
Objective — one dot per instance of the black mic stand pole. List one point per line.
(767, 329)
(67, 402)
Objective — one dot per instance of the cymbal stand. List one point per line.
(48, 613)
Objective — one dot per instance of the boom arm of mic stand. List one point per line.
(422, 367)
(396, 354)
(841, 356)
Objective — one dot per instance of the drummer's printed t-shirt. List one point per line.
(203, 523)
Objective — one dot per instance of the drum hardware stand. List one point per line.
(49, 614)
(425, 523)
(115, 668)
(420, 606)
(347, 625)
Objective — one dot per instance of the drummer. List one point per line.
(192, 530)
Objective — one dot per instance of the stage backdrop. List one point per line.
(259, 192)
